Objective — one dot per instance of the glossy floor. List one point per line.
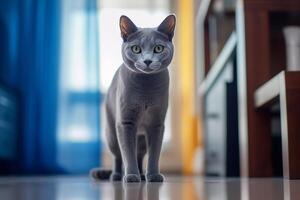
(187, 188)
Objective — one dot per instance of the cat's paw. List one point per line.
(155, 178)
(115, 177)
(132, 178)
(143, 177)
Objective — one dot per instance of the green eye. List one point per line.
(136, 49)
(158, 48)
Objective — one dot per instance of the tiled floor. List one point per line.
(186, 188)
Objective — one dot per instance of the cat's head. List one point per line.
(147, 50)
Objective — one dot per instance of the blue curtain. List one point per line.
(31, 64)
(79, 111)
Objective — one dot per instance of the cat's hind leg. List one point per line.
(116, 174)
(142, 150)
(113, 145)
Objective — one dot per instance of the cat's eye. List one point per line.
(136, 49)
(158, 48)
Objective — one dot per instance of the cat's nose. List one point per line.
(147, 62)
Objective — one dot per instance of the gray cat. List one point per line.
(137, 102)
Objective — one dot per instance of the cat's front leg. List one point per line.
(126, 131)
(154, 140)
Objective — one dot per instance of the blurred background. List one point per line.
(57, 59)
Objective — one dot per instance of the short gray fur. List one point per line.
(137, 100)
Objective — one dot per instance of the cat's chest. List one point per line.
(143, 106)
(142, 99)
(147, 99)
(141, 96)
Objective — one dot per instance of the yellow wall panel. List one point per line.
(189, 129)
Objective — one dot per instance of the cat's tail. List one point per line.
(100, 174)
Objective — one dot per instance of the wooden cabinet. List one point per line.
(258, 27)
(261, 55)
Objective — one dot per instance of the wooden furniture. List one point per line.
(261, 55)
(260, 47)
(285, 88)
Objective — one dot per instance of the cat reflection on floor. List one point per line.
(136, 191)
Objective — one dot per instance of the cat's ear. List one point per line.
(127, 27)
(168, 26)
